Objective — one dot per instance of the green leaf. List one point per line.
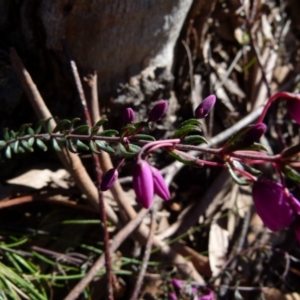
(256, 147)
(82, 129)
(132, 128)
(94, 130)
(61, 125)
(80, 145)
(48, 125)
(194, 139)
(22, 129)
(103, 146)
(291, 151)
(291, 173)
(186, 130)
(6, 135)
(8, 152)
(132, 150)
(184, 160)
(145, 137)
(41, 144)
(15, 146)
(21, 149)
(93, 147)
(73, 122)
(31, 141)
(55, 145)
(30, 131)
(195, 122)
(2, 144)
(26, 146)
(38, 126)
(100, 122)
(109, 132)
(235, 178)
(71, 146)
(13, 134)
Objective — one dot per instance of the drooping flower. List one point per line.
(205, 107)
(108, 179)
(158, 111)
(143, 183)
(160, 187)
(293, 107)
(128, 116)
(272, 204)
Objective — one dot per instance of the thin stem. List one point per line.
(285, 95)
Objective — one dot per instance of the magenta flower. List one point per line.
(297, 229)
(293, 107)
(158, 111)
(205, 107)
(108, 179)
(274, 207)
(128, 116)
(160, 187)
(143, 183)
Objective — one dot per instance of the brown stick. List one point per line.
(98, 171)
(71, 161)
(146, 257)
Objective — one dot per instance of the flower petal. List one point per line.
(272, 204)
(143, 183)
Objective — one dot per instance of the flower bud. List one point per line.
(108, 179)
(255, 132)
(293, 107)
(128, 116)
(172, 296)
(209, 295)
(177, 284)
(160, 187)
(272, 204)
(143, 183)
(205, 107)
(158, 111)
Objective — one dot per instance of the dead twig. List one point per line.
(98, 171)
(146, 257)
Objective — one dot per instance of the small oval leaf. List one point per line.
(109, 132)
(41, 144)
(56, 146)
(103, 146)
(194, 139)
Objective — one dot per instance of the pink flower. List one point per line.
(160, 187)
(108, 179)
(158, 111)
(209, 295)
(293, 107)
(143, 183)
(274, 207)
(205, 107)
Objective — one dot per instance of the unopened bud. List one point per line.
(255, 132)
(143, 183)
(108, 179)
(128, 116)
(205, 107)
(177, 284)
(158, 111)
